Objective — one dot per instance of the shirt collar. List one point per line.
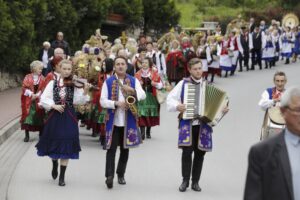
(292, 138)
(197, 81)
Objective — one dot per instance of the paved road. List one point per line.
(154, 168)
(10, 105)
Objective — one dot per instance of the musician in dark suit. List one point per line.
(45, 54)
(256, 47)
(194, 135)
(244, 50)
(274, 164)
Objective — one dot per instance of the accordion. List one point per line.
(205, 102)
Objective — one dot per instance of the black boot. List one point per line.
(109, 182)
(212, 78)
(148, 135)
(266, 66)
(226, 74)
(287, 61)
(54, 169)
(121, 180)
(196, 187)
(61, 181)
(102, 140)
(143, 132)
(183, 186)
(26, 139)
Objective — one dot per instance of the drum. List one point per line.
(273, 123)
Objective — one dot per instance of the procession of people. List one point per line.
(116, 90)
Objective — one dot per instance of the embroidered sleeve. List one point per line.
(46, 100)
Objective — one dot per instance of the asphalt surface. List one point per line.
(153, 170)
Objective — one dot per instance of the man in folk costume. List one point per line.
(271, 96)
(148, 108)
(268, 53)
(118, 95)
(225, 57)
(175, 63)
(150, 52)
(244, 39)
(203, 52)
(287, 41)
(32, 114)
(194, 135)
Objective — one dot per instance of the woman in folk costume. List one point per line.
(60, 138)
(203, 52)
(99, 113)
(225, 58)
(276, 37)
(287, 40)
(148, 108)
(296, 49)
(214, 66)
(32, 115)
(175, 63)
(188, 52)
(268, 52)
(234, 48)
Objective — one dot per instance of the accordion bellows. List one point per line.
(204, 101)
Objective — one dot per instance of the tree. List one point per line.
(160, 15)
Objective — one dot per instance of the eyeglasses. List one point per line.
(294, 110)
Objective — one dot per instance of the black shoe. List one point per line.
(196, 187)
(26, 139)
(109, 182)
(94, 134)
(54, 169)
(61, 181)
(121, 181)
(143, 130)
(240, 70)
(183, 186)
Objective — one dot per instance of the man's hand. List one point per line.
(181, 107)
(128, 90)
(121, 105)
(59, 108)
(225, 110)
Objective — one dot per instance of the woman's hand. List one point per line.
(59, 108)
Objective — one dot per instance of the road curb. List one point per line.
(9, 129)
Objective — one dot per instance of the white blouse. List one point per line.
(47, 100)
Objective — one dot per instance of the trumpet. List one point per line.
(129, 100)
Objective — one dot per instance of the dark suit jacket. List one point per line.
(50, 53)
(130, 69)
(269, 174)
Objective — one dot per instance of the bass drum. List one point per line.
(273, 123)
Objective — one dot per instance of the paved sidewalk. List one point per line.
(10, 105)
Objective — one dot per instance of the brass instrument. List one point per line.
(290, 20)
(130, 100)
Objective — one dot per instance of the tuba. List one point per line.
(290, 20)
(130, 100)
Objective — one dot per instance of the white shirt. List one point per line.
(174, 98)
(45, 58)
(36, 81)
(47, 100)
(160, 63)
(120, 113)
(265, 102)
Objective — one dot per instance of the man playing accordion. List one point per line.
(194, 133)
